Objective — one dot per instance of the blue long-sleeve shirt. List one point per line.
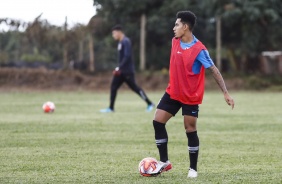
(125, 60)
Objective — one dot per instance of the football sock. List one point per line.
(193, 148)
(112, 99)
(144, 97)
(161, 138)
(148, 102)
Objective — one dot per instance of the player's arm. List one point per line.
(127, 53)
(206, 61)
(219, 79)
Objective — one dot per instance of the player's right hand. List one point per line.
(116, 71)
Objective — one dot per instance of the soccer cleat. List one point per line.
(107, 110)
(192, 173)
(161, 167)
(150, 107)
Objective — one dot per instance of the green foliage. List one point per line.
(36, 56)
(248, 28)
(255, 24)
(257, 82)
(77, 144)
(160, 21)
(4, 57)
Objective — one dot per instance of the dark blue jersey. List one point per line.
(125, 61)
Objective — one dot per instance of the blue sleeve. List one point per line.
(205, 59)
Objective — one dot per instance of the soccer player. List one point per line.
(125, 71)
(188, 60)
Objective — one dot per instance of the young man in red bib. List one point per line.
(188, 60)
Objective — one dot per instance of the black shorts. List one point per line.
(172, 106)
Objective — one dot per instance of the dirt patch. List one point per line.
(43, 79)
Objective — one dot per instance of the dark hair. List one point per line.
(117, 28)
(187, 17)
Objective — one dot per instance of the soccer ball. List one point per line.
(147, 166)
(48, 107)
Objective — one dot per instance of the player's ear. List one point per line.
(186, 27)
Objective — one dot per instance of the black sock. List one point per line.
(112, 99)
(144, 97)
(148, 102)
(161, 140)
(193, 148)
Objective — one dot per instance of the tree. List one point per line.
(249, 28)
(124, 11)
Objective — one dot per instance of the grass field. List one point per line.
(77, 144)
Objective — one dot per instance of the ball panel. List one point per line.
(147, 166)
(48, 107)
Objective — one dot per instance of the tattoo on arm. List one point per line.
(218, 78)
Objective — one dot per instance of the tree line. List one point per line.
(236, 32)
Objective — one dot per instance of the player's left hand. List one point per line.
(229, 100)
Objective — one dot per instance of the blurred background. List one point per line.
(244, 38)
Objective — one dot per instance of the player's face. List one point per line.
(179, 28)
(116, 34)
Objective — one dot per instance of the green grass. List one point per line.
(77, 144)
